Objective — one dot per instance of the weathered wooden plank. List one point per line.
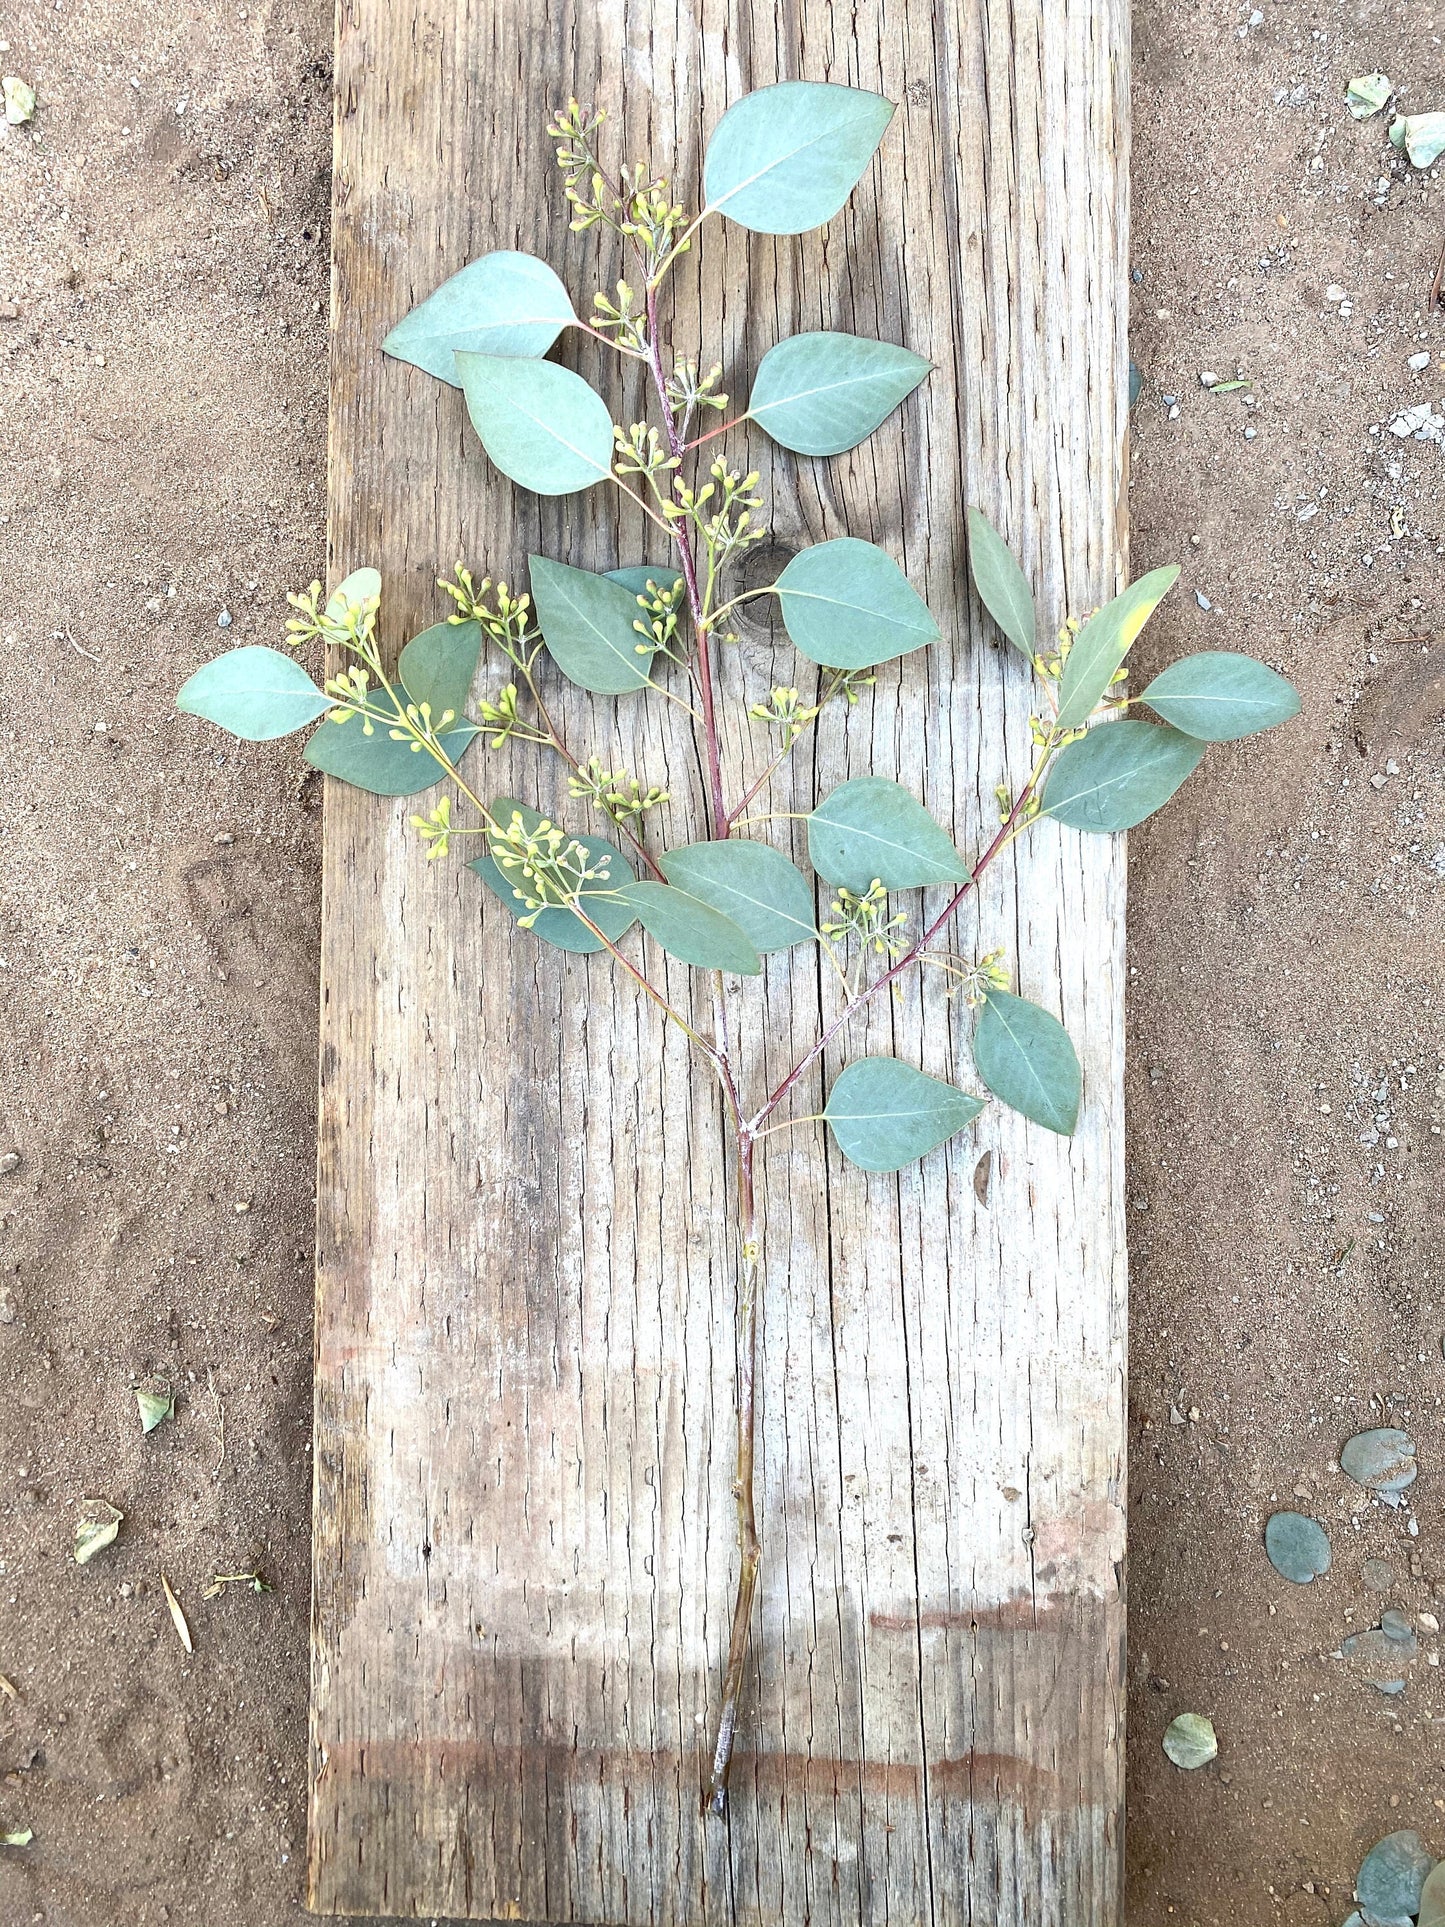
(524, 1533)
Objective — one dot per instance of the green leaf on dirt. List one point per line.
(154, 1408)
(19, 98)
(1002, 585)
(1298, 1547)
(1219, 696)
(691, 930)
(561, 927)
(1025, 1057)
(784, 159)
(19, 1837)
(1104, 641)
(503, 304)
(1432, 1898)
(95, 1529)
(1366, 94)
(847, 605)
(1421, 135)
(638, 575)
(1382, 1459)
(255, 693)
(378, 762)
(872, 828)
(438, 666)
(822, 393)
(541, 424)
(588, 624)
(1391, 1881)
(1190, 1741)
(884, 1114)
(1118, 774)
(765, 895)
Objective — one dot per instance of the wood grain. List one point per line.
(524, 1542)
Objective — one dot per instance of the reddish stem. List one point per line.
(750, 1552)
(910, 956)
(716, 807)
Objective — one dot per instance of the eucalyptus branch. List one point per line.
(721, 902)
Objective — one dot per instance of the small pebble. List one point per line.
(1202, 599)
(223, 620)
(9, 311)
(1419, 362)
(9, 1161)
(1334, 292)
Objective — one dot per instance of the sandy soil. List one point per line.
(162, 378)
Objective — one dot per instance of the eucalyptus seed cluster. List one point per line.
(548, 869)
(615, 792)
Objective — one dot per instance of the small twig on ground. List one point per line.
(1435, 282)
(220, 1422)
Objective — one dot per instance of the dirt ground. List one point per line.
(163, 275)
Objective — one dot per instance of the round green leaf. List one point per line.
(361, 586)
(587, 624)
(438, 666)
(637, 575)
(1382, 1459)
(255, 693)
(765, 895)
(1025, 1057)
(873, 827)
(1002, 586)
(504, 304)
(1190, 1741)
(1104, 641)
(1391, 1882)
(1432, 1898)
(1118, 774)
(541, 424)
(847, 605)
(378, 762)
(819, 394)
(785, 158)
(691, 930)
(1297, 1546)
(884, 1114)
(562, 928)
(1220, 696)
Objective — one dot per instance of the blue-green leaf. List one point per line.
(360, 587)
(378, 762)
(561, 927)
(1220, 696)
(1025, 1057)
(764, 894)
(847, 605)
(1118, 774)
(691, 930)
(785, 158)
(504, 304)
(884, 1114)
(637, 575)
(438, 666)
(1392, 1875)
(819, 394)
(255, 693)
(587, 624)
(541, 424)
(873, 828)
(1002, 585)
(1104, 641)
(1298, 1546)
